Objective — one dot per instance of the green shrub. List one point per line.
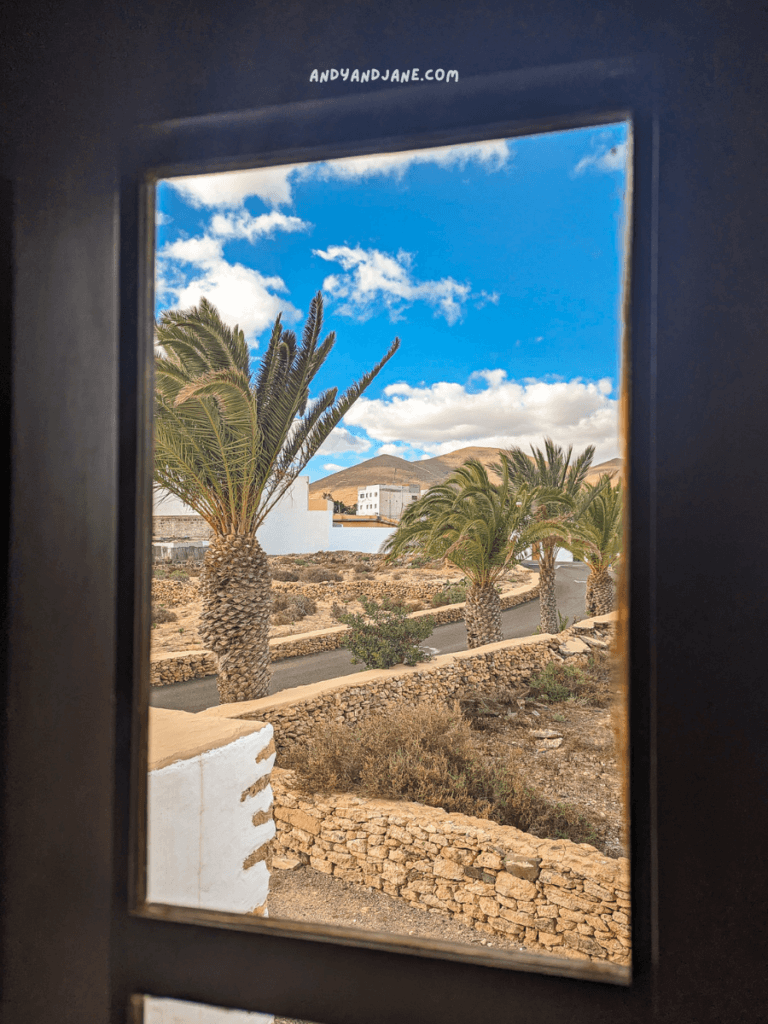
(385, 636)
(589, 684)
(455, 593)
(427, 754)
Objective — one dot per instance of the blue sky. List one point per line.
(498, 264)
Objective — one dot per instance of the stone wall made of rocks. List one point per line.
(297, 712)
(351, 590)
(180, 527)
(553, 896)
(177, 668)
(174, 592)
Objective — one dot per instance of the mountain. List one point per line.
(389, 469)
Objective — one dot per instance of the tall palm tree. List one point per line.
(560, 500)
(229, 443)
(478, 527)
(596, 540)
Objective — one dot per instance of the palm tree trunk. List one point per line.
(482, 616)
(234, 622)
(589, 603)
(549, 622)
(601, 593)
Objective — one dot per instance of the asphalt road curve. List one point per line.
(199, 694)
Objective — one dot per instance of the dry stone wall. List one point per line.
(180, 528)
(297, 712)
(175, 668)
(553, 896)
(351, 590)
(172, 593)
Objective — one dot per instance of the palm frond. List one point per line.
(227, 442)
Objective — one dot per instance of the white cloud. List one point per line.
(332, 467)
(605, 159)
(403, 451)
(486, 297)
(445, 416)
(229, 190)
(376, 277)
(242, 295)
(342, 440)
(162, 218)
(242, 224)
(493, 156)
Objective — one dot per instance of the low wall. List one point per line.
(298, 711)
(165, 669)
(175, 592)
(209, 821)
(180, 666)
(178, 552)
(553, 896)
(180, 528)
(354, 589)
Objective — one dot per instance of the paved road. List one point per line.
(198, 694)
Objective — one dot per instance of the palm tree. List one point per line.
(229, 443)
(560, 500)
(596, 540)
(477, 526)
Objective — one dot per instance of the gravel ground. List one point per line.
(308, 895)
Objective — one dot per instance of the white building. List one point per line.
(386, 499)
(291, 528)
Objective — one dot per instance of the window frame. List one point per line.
(213, 951)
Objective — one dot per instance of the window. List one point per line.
(541, 965)
(64, 648)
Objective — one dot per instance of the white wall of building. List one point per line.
(359, 538)
(386, 499)
(289, 529)
(179, 1011)
(199, 831)
(561, 555)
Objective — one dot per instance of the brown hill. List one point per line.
(383, 469)
(389, 469)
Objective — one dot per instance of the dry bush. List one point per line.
(314, 574)
(285, 576)
(427, 754)
(414, 606)
(162, 614)
(282, 619)
(288, 608)
(362, 570)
